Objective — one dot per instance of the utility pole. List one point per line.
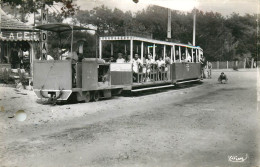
(169, 24)
(194, 26)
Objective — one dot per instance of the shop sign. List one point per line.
(19, 35)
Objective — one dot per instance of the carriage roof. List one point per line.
(118, 38)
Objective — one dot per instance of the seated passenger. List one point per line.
(120, 58)
(222, 78)
(111, 60)
(128, 60)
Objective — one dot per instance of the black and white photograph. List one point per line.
(129, 83)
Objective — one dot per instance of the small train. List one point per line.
(95, 78)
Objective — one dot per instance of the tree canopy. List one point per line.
(222, 38)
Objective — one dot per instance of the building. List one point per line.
(19, 43)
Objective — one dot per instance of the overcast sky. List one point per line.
(226, 7)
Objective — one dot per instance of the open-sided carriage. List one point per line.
(178, 70)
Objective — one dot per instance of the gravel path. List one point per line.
(204, 125)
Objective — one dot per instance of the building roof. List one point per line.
(9, 23)
(60, 27)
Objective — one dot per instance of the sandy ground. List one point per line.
(203, 125)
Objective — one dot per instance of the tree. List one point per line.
(24, 7)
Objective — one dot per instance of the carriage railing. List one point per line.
(151, 73)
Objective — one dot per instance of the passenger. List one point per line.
(149, 63)
(161, 63)
(128, 60)
(188, 58)
(168, 60)
(48, 57)
(120, 58)
(161, 67)
(111, 60)
(137, 63)
(222, 78)
(183, 57)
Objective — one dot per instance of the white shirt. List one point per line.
(48, 57)
(188, 59)
(120, 60)
(135, 64)
(160, 63)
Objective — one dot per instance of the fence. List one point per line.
(232, 64)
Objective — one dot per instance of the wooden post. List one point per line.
(100, 48)
(31, 57)
(142, 51)
(173, 53)
(180, 53)
(227, 64)
(196, 55)
(186, 53)
(244, 63)
(154, 51)
(252, 63)
(217, 64)
(131, 49)
(112, 49)
(164, 51)
(199, 56)
(192, 60)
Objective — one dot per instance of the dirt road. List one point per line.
(207, 125)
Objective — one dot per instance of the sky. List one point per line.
(225, 7)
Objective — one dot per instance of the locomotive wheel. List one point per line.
(87, 97)
(96, 96)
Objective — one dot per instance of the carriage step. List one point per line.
(194, 80)
(150, 88)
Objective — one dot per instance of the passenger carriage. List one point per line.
(177, 70)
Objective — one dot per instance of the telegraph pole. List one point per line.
(194, 27)
(169, 36)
